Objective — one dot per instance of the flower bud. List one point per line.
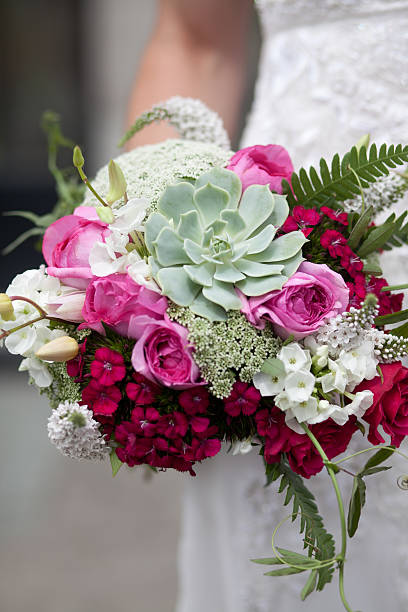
(60, 350)
(117, 183)
(78, 158)
(105, 214)
(6, 308)
(363, 142)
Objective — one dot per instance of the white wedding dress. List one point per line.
(330, 72)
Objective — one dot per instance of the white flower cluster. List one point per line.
(149, 169)
(349, 329)
(117, 254)
(388, 348)
(310, 387)
(42, 289)
(75, 433)
(381, 195)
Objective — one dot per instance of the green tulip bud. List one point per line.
(78, 158)
(117, 183)
(6, 308)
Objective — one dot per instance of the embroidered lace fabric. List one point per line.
(330, 71)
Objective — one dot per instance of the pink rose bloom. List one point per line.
(68, 243)
(164, 356)
(312, 295)
(117, 301)
(262, 165)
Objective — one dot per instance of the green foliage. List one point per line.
(345, 177)
(399, 236)
(116, 463)
(358, 493)
(70, 190)
(316, 539)
(394, 317)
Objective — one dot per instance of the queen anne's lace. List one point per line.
(149, 169)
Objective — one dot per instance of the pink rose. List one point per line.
(68, 243)
(164, 356)
(312, 295)
(117, 300)
(262, 165)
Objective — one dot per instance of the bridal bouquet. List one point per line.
(198, 296)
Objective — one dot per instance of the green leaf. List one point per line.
(268, 561)
(285, 571)
(402, 331)
(394, 317)
(273, 367)
(381, 455)
(360, 227)
(116, 463)
(394, 287)
(310, 585)
(357, 502)
(376, 239)
(294, 558)
(375, 470)
(311, 523)
(340, 183)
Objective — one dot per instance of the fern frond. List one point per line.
(316, 538)
(340, 182)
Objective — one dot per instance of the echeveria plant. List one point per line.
(206, 240)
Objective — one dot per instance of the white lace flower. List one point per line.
(294, 357)
(75, 433)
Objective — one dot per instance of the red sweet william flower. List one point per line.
(334, 242)
(134, 447)
(303, 219)
(102, 400)
(142, 391)
(388, 302)
(243, 398)
(108, 367)
(194, 401)
(390, 406)
(335, 214)
(75, 366)
(350, 261)
(145, 418)
(173, 425)
(201, 448)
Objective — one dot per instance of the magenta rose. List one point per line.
(68, 243)
(312, 295)
(390, 405)
(117, 301)
(262, 165)
(164, 356)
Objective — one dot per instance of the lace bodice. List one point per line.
(330, 71)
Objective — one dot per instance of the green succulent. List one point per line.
(205, 241)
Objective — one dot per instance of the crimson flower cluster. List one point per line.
(302, 455)
(336, 245)
(175, 440)
(102, 394)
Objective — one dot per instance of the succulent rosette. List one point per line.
(198, 297)
(206, 241)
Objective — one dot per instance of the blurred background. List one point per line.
(71, 537)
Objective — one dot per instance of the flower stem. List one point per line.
(88, 184)
(342, 555)
(20, 298)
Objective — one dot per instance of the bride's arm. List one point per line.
(198, 49)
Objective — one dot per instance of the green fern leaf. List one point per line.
(356, 169)
(317, 539)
